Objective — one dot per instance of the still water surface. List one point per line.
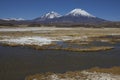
(18, 62)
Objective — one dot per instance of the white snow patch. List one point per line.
(14, 19)
(20, 29)
(104, 40)
(54, 77)
(100, 76)
(37, 40)
(28, 41)
(86, 76)
(81, 38)
(35, 79)
(78, 12)
(51, 15)
(33, 29)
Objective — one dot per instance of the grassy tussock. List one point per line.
(76, 75)
(56, 47)
(113, 70)
(47, 76)
(91, 49)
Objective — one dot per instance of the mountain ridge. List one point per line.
(13, 19)
(75, 16)
(49, 15)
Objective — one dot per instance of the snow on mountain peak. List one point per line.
(51, 15)
(80, 12)
(14, 19)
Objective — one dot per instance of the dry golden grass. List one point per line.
(47, 76)
(91, 49)
(92, 34)
(73, 32)
(113, 70)
(58, 47)
(75, 75)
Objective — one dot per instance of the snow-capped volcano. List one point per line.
(13, 19)
(51, 15)
(74, 16)
(48, 16)
(79, 12)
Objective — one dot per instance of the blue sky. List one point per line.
(30, 9)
